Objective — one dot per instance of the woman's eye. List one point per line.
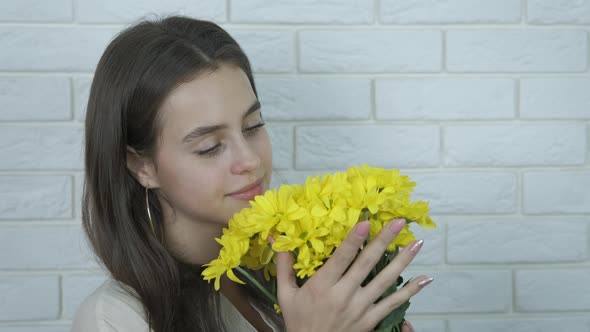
(211, 152)
(251, 131)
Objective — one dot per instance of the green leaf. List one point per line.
(393, 321)
(400, 280)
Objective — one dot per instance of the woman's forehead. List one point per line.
(214, 97)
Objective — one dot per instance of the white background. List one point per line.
(485, 103)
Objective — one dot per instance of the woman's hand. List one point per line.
(333, 298)
(407, 327)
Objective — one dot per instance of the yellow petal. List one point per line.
(233, 277)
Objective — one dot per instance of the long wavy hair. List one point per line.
(138, 69)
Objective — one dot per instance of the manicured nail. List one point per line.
(426, 282)
(406, 323)
(362, 228)
(396, 225)
(416, 247)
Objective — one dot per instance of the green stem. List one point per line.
(263, 289)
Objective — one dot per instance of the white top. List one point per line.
(111, 309)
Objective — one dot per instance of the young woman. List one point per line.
(175, 145)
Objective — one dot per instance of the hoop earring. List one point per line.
(147, 207)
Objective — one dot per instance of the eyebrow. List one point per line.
(202, 131)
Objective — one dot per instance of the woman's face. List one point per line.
(214, 154)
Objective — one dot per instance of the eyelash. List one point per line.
(251, 131)
(217, 149)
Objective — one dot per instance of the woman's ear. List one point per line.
(142, 168)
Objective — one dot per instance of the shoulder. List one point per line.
(111, 307)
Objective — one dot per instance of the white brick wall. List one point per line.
(319, 147)
(450, 11)
(555, 98)
(114, 11)
(485, 103)
(517, 50)
(30, 98)
(550, 12)
(29, 297)
(515, 144)
(315, 98)
(369, 50)
(444, 98)
(565, 287)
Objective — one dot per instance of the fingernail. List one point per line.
(416, 247)
(408, 325)
(396, 225)
(426, 282)
(362, 228)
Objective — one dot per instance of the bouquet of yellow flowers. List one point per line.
(311, 220)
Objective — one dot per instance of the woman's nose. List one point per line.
(246, 159)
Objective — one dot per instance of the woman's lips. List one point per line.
(249, 194)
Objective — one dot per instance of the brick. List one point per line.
(563, 192)
(460, 193)
(81, 93)
(34, 98)
(444, 98)
(78, 194)
(433, 250)
(36, 10)
(61, 48)
(453, 11)
(504, 241)
(268, 51)
(517, 50)
(75, 289)
(281, 138)
(532, 324)
(515, 144)
(295, 11)
(38, 196)
(555, 98)
(35, 327)
(113, 11)
(29, 297)
(384, 146)
(56, 247)
(373, 51)
(315, 98)
(463, 291)
(558, 12)
(41, 147)
(552, 290)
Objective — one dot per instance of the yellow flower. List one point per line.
(417, 212)
(402, 239)
(232, 250)
(313, 219)
(299, 234)
(258, 255)
(273, 208)
(306, 267)
(277, 308)
(323, 198)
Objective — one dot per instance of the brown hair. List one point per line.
(138, 69)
